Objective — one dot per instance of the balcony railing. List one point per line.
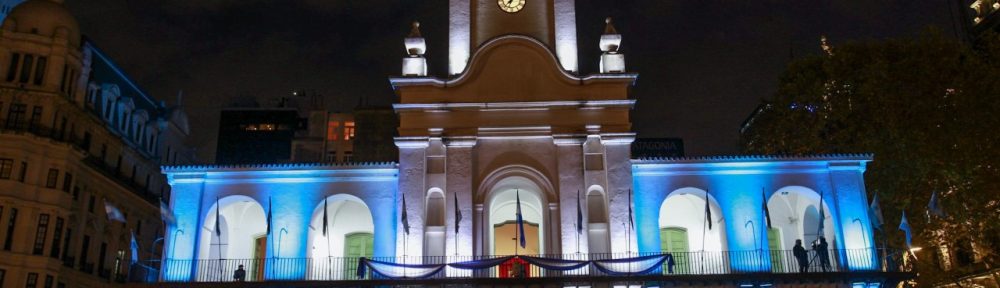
(64, 136)
(684, 263)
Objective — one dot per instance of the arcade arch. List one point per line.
(795, 215)
(503, 237)
(349, 235)
(685, 231)
(238, 233)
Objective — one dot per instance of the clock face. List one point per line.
(511, 6)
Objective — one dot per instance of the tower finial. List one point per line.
(414, 64)
(609, 28)
(415, 31)
(611, 61)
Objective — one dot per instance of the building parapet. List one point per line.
(279, 166)
(864, 157)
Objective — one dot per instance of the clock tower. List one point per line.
(474, 22)
(514, 122)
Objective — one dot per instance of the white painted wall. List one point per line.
(346, 215)
(788, 214)
(685, 208)
(242, 218)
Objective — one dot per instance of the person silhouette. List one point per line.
(801, 256)
(823, 252)
(240, 275)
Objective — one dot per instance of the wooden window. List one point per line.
(29, 61)
(12, 69)
(11, 221)
(6, 166)
(41, 233)
(56, 238)
(40, 70)
(52, 179)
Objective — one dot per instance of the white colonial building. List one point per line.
(517, 127)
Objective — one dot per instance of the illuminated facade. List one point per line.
(77, 138)
(517, 128)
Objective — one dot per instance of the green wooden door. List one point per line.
(674, 240)
(356, 245)
(774, 245)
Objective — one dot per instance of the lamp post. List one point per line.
(173, 243)
(280, 234)
(753, 231)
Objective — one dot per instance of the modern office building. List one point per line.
(256, 135)
(81, 147)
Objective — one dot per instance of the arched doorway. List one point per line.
(349, 235)
(795, 215)
(504, 238)
(685, 231)
(238, 236)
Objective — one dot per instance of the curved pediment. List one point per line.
(513, 68)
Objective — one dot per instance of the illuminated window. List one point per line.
(331, 130)
(266, 127)
(349, 130)
(250, 127)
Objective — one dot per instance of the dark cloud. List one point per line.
(703, 64)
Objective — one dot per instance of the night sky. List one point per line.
(703, 65)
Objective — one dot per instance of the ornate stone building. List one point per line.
(80, 149)
(519, 153)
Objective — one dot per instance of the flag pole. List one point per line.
(517, 229)
(578, 222)
(704, 232)
(326, 234)
(218, 234)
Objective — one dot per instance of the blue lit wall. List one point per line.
(737, 184)
(295, 192)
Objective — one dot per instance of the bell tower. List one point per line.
(473, 22)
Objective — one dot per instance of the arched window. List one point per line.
(435, 207)
(597, 221)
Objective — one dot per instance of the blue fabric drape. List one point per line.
(633, 266)
(398, 270)
(615, 267)
(555, 264)
(480, 264)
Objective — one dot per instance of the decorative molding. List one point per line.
(279, 166)
(444, 107)
(865, 157)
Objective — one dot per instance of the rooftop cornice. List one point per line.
(400, 107)
(861, 157)
(280, 166)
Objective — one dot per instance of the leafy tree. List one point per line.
(928, 107)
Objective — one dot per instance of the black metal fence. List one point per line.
(685, 263)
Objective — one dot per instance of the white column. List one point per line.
(458, 35)
(565, 19)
